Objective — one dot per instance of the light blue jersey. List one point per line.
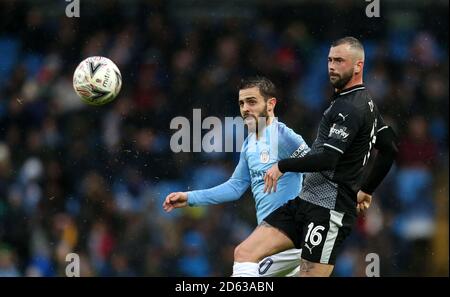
(257, 156)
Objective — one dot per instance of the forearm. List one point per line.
(325, 160)
(382, 164)
(228, 191)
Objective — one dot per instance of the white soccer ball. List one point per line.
(97, 80)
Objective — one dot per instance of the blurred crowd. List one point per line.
(91, 180)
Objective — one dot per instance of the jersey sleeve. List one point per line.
(230, 190)
(381, 125)
(344, 122)
(292, 144)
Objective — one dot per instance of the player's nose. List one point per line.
(331, 67)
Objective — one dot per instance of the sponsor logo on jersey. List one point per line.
(338, 132)
(257, 174)
(301, 151)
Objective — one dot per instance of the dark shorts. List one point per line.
(318, 231)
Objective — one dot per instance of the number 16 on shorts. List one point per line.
(313, 237)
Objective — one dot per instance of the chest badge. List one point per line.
(264, 156)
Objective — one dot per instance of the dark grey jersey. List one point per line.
(349, 126)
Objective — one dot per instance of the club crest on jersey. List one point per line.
(264, 156)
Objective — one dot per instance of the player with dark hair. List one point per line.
(268, 142)
(334, 187)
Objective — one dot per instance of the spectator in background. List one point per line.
(414, 223)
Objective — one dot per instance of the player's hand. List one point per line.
(271, 177)
(363, 202)
(175, 200)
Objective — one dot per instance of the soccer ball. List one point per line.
(97, 80)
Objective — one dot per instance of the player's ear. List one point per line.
(358, 67)
(271, 102)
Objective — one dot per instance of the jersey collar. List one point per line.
(349, 90)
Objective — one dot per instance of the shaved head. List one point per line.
(355, 47)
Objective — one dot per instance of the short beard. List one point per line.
(343, 80)
(265, 115)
